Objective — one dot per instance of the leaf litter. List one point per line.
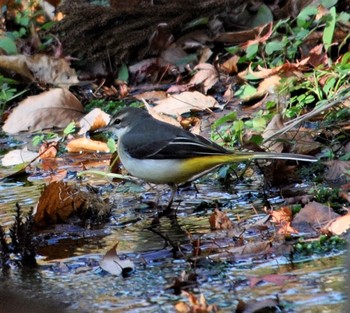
(224, 238)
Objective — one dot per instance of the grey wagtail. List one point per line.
(161, 153)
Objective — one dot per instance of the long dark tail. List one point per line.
(270, 155)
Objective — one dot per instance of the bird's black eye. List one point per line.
(117, 121)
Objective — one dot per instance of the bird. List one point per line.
(160, 153)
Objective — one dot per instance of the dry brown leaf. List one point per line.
(339, 226)
(86, 144)
(93, 120)
(161, 117)
(337, 169)
(186, 102)
(318, 56)
(284, 214)
(112, 264)
(196, 305)
(48, 150)
(53, 108)
(312, 217)
(257, 34)
(264, 33)
(230, 65)
(219, 220)
(275, 124)
(282, 70)
(151, 95)
(269, 85)
(206, 76)
(41, 68)
(56, 204)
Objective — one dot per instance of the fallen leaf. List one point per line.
(318, 56)
(186, 102)
(53, 108)
(196, 305)
(18, 156)
(337, 169)
(284, 214)
(275, 124)
(56, 204)
(339, 226)
(112, 264)
(219, 220)
(183, 282)
(60, 201)
(93, 120)
(246, 37)
(41, 67)
(263, 33)
(283, 70)
(48, 150)
(151, 95)
(206, 76)
(86, 144)
(230, 65)
(312, 217)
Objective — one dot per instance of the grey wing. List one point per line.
(165, 141)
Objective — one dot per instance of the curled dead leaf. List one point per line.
(93, 120)
(206, 76)
(219, 220)
(196, 305)
(112, 264)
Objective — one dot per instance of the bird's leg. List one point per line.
(173, 188)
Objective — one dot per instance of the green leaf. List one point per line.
(263, 16)
(328, 31)
(304, 17)
(232, 116)
(233, 49)
(343, 17)
(245, 91)
(69, 129)
(257, 139)
(252, 50)
(345, 59)
(328, 3)
(111, 145)
(123, 73)
(259, 124)
(330, 83)
(37, 140)
(274, 46)
(8, 45)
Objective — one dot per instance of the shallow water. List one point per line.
(69, 271)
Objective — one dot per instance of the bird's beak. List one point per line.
(98, 131)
